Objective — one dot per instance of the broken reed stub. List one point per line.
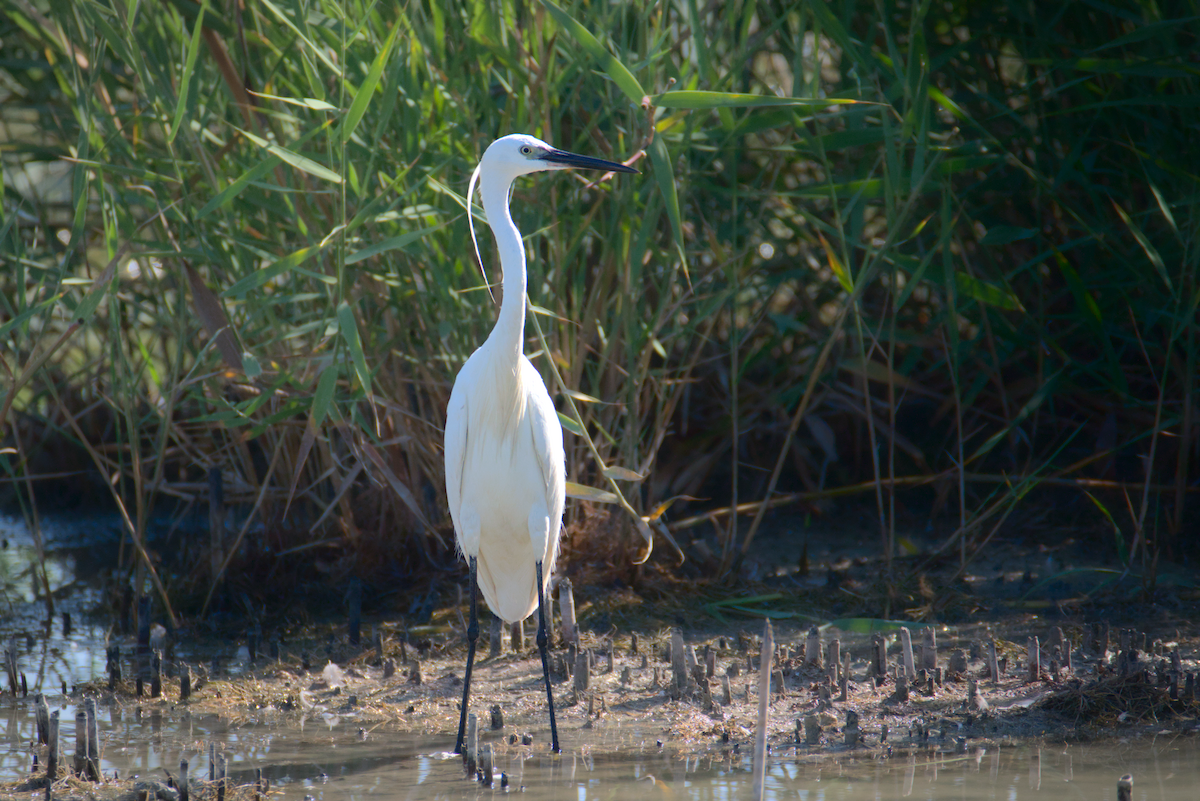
(764, 701)
(678, 664)
(80, 743)
(690, 659)
(222, 776)
(906, 653)
(879, 666)
(1125, 788)
(851, 729)
(812, 648)
(845, 680)
(487, 757)
(471, 751)
(495, 637)
(518, 636)
(929, 650)
(52, 748)
(93, 740)
(582, 672)
(156, 675)
(566, 610)
(993, 663)
(113, 665)
(958, 664)
(1100, 638)
(1035, 664)
(42, 713)
(1057, 640)
(975, 701)
(812, 730)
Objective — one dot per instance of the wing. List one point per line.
(456, 450)
(548, 448)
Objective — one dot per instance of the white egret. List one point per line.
(505, 468)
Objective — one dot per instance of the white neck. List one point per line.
(509, 333)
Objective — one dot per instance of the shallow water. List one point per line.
(325, 759)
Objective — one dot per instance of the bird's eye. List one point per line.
(527, 150)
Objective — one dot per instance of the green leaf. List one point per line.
(189, 10)
(660, 159)
(250, 176)
(1083, 299)
(393, 243)
(1147, 246)
(304, 102)
(302, 163)
(694, 99)
(91, 301)
(363, 96)
(314, 47)
(324, 395)
(98, 15)
(189, 69)
(1003, 234)
(1046, 390)
(1118, 537)
(871, 625)
(259, 278)
(585, 493)
(622, 474)
(835, 264)
(349, 330)
(31, 311)
(580, 396)
(867, 188)
(235, 188)
(142, 174)
(250, 365)
(570, 425)
(620, 74)
(991, 294)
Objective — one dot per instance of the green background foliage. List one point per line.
(955, 240)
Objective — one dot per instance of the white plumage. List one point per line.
(505, 476)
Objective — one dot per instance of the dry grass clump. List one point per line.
(1110, 702)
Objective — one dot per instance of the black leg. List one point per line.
(472, 636)
(542, 639)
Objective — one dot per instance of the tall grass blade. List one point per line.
(185, 82)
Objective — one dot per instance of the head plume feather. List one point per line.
(471, 225)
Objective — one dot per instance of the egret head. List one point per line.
(512, 156)
(520, 154)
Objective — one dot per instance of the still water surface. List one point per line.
(324, 759)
